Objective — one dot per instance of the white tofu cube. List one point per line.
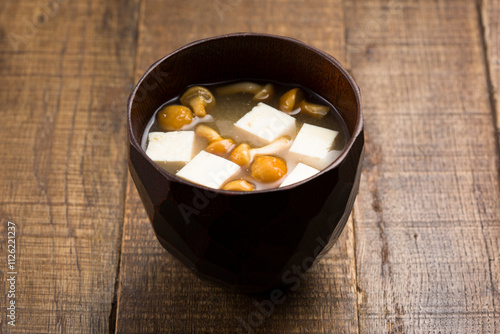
(264, 124)
(177, 146)
(209, 170)
(299, 173)
(313, 144)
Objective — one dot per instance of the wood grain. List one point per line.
(157, 293)
(490, 22)
(427, 217)
(66, 69)
(421, 254)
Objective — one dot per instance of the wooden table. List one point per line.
(420, 254)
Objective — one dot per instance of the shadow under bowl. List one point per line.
(248, 241)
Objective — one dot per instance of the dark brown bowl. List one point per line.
(254, 241)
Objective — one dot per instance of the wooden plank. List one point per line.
(490, 21)
(66, 70)
(427, 217)
(157, 293)
(319, 24)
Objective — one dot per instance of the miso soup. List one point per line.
(246, 135)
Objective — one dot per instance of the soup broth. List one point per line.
(229, 117)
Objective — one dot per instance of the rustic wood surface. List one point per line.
(421, 253)
(426, 220)
(66, 69)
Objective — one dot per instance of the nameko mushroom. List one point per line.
(243, 154)
(261, 92)
(293, 102)
(199, 99)
(268, 169)
(239, 185)
(217, 144)
(174, 117)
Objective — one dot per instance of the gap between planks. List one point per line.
(112, 320)
(483, 21)
(348, 66)
(482, 6)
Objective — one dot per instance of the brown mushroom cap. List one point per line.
(199, 99)
(241, 155)
(174, 117)
(220, 147)
(294, 101)
(267, 168)
(316, 110)
(290, 100)
(217, 144)
(239, 185)
(265, 93)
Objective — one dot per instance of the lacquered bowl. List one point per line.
(248, 241)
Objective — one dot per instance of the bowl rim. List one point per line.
(172, 177)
